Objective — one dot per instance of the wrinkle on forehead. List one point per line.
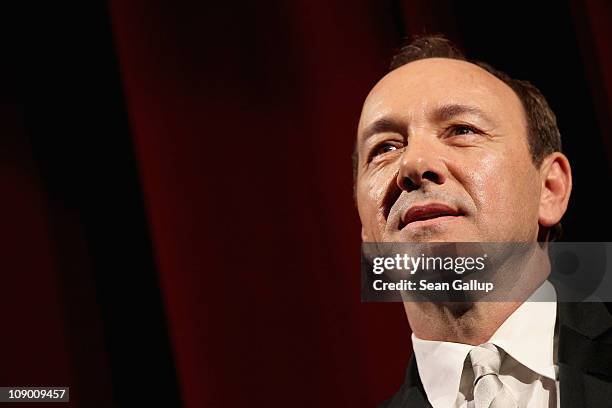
(423, 85)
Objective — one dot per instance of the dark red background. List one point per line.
(178, 215)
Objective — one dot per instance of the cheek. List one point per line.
(371, 192)
(504, 191)
(377, 187)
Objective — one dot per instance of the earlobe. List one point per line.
(556, 188)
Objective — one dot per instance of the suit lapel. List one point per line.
(411, 393)
(584, 358)
(585, 355)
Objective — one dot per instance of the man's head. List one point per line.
(449, 150)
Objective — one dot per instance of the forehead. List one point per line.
(421, 86)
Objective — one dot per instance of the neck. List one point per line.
(475, 322)
(467, 323)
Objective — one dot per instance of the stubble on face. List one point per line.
(443, 156)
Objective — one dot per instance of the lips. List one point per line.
(418, 213)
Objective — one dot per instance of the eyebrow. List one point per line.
(442, 113)
(447, 112)
(383, 125)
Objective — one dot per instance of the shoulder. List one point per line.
(411, 392)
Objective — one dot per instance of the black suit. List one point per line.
(584, 358)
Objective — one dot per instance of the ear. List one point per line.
(556, 176)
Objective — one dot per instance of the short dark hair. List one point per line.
(543, 135)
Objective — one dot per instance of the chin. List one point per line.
(441, 229)
(430, 235)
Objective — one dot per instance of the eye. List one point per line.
(462, 134)
(463, 130)
(384, 148)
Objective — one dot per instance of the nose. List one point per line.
(420, 163)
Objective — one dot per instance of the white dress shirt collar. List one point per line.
(527, 335)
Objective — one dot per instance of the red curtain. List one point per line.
(244, 119)
(244, 123)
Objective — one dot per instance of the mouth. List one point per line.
(428, 214)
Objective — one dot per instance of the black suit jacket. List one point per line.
(584, 358)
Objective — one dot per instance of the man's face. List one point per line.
(444, 157)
